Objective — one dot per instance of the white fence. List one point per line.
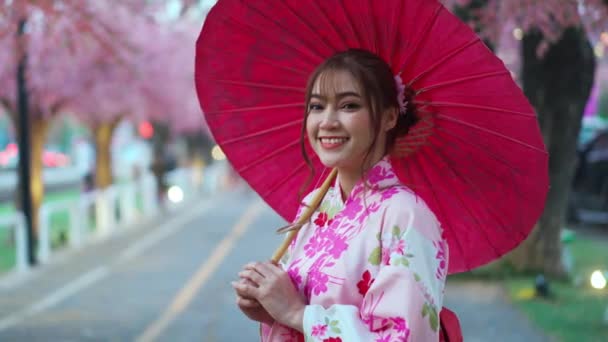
(16, 222)
(99, 214)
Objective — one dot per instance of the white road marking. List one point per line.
(56, 297)
(187, 293)
(86, 280)
(161, 233)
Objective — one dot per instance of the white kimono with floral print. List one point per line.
(372, 268)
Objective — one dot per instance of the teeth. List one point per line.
(333, 140)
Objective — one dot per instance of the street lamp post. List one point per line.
(24, 140)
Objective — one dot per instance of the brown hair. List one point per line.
(377, 84)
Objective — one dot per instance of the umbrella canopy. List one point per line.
(476, 156)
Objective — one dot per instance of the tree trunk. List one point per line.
(558, 84)
(469, 14)
(39, 129)
(160, 164)
(103, 133)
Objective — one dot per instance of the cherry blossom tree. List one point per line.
(152, 81)
(93, 58)
(36, 37)
(558, 67)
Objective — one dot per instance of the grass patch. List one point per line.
(58, 230)
(7, 250)
(575, 312)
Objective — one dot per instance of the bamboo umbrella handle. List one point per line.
(314, 204)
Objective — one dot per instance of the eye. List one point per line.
(351, 106)
(315, 107)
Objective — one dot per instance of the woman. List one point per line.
(371, 266)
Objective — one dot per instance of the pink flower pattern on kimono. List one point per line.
(386, 256)
(328, 265)
(352, 210)
(400, 325)
(326, 240)
(442, 269)
(317, 282)
(337, 247)
(319, 330)
(377, 176)
(369, 209)
(388, 193)
(294, 274)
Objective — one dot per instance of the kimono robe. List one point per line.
(372, 268)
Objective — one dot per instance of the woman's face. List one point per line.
(338, 123)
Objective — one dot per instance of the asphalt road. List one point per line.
(169, 280)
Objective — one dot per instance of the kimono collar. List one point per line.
(381, 176)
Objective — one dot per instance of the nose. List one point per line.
(329, 119)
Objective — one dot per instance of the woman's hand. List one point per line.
(273, 289)
(252, 308)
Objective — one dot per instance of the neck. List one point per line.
(349, 177)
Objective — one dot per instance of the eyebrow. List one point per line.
(338, 96)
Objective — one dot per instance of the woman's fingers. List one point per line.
(252, 276)
(247, 303)
(269, 270)
(245, 290)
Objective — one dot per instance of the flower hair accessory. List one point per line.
(401, 95)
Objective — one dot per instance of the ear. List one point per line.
(390, 119)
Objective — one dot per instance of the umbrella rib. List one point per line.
(472, 106)
(287, 177)
(329, 22)
(307, 24)
(443, 59)
(440, 207)
(282, 27)
(470, 143)
(261, 133)
(246, 109)
(261, 59)
(490, 155)
(261, 85)
(462, 80)
(454, 171)
(422, 37)
(395, 41)
(512, 171)
(350, 25)
(489, 131)
(263, 36)
(267, 156)
(463, 203)
(373, 28)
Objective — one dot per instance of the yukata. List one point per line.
(372, 268)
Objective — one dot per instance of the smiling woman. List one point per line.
(432, 142)
(353, 114)
(371, 236)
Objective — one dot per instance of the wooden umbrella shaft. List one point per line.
(305, 217)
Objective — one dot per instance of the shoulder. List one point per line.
(408, 210)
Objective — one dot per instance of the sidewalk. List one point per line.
(486, 315)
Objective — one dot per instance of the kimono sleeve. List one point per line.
(403, 301)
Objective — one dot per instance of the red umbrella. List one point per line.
(476, 157)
